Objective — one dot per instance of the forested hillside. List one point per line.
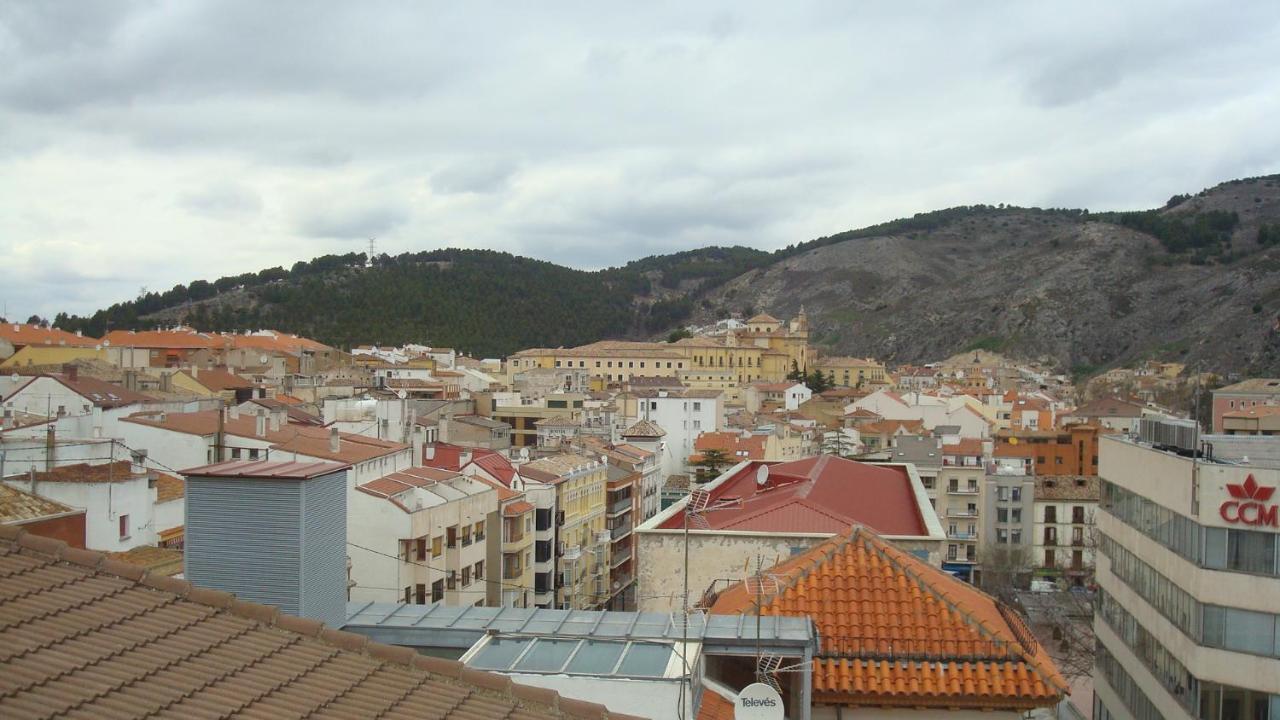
(1088, 290)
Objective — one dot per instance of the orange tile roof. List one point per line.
(966, 446)
(896, 631)
(84, 634)
(118, 471)
(166, 339)
(732, 444)
(518, 508)
(219, 379)
(18, 506)
(21, 335)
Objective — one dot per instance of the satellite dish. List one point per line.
(106, 343)
(758, 701)
(263, 359)
(762, 475)
(402, 394)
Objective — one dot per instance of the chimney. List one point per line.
(233, 412)
(260, 425)
(131, 380)
(335, 441)
(138, 462)
(195, 371)
(71, 371)
(418, 440)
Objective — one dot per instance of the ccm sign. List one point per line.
(1248, 504)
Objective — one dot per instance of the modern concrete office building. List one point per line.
(1188, 568)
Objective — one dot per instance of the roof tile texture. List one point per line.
(79, 639)
(897, 631)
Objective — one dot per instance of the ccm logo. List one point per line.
(1247, 506)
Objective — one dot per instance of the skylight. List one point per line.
(597, 657)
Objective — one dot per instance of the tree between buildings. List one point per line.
(1006, 568)
(710, 463)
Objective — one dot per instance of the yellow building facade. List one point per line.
(584, 547)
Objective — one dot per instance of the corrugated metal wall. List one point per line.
(324, 549)
(244, 536)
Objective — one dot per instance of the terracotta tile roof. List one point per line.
(895, 631)
(119, 471)
(276, 341)
(644, 429)
(296, 415)
(219, 379)
(309, 440)
(817, 495)
(494, 464)
(21, 335)
(81, 633)
(966, 447)
(18, 506)
(169, 488)
(516, 509)
(1050, 488)
(157, 560)
(734, 445)
(890, 427)
(861, 413)
(763, 318)
(184, 339)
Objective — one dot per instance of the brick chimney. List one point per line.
(71, 372)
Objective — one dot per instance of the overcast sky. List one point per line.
(151, 143)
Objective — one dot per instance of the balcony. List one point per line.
(620, 506)
(621, 531)
(622, 582)
(962, 490)
(512, 572)
(962, 513)
(963, 535)
(620, 559)
(959, 559)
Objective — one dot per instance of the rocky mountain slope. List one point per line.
(1197, 281)
(1041, 285)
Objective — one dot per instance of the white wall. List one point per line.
(104, 503)
(683, 419)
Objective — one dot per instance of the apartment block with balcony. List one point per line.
(510, 547)
(623, 499)
(1007, 502)
(1064, 535)
(1188, 569)
(582, 547)
(952, 475)
(420, 536)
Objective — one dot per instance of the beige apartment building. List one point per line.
(1189, 586)
(853, 372)
(582, 536)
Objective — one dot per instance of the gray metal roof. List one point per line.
(440, 625)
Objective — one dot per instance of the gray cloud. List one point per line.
(205, 138)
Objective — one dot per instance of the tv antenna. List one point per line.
(373, 248)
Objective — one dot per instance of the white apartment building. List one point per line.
(1064, 532)
(418, 536)
(1188, 621)
(683, 415)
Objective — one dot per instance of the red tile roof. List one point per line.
(82, 634)
(496, 465)
(518, 508)
(85, 473)
(21, 335)
(817, 495)
(169, 488)
(219, 379)
(732, 444)
(185, 339)
(895, 631)
(966, 447)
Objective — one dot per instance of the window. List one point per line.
(253, 453)
(1002, 536)
(451, 580)
(479, 532)
(421, 594)
(598, 363)
(436, 543)
(452, 534)
(697, 407)
(235, 453)
(1015, 494)
(479, 573)
(124, 527)
(1051, 514)
(1016, 515)
(1002, 494)
(437, 591)
(466, 576)
(1015, 537)
(408, 595)
(928, 482)
(422, 548)
(1002, 515)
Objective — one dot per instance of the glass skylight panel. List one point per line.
(498, 654)
(645, 660)
(547, 655)
(596, 657)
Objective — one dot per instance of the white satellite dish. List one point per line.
(758, 701)
(402, 394)
(762, 475)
